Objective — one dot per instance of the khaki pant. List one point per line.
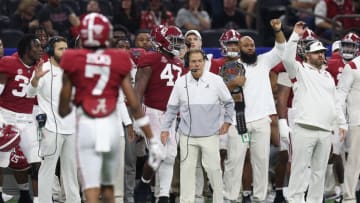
(259, 155)
(310, 147)
(190, 147)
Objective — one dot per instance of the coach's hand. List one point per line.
(224, 128)
(164, 136)
(342, 134)
(131, 133)
(38, 73)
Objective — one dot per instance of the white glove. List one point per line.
(156, 154)
(138, 130)
(284, 130)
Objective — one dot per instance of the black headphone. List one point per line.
(187, 55)
(51, 44)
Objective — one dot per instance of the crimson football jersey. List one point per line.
(216, 65)
(136, 53)
(335, 68)
(14, 96)
(165, 71)
(44, 57)
(97, 76)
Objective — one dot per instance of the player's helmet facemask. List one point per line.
(349, 46)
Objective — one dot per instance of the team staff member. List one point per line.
(203, 94)
(57, 135)
(349, 95)
(259, 105)
(315, 115)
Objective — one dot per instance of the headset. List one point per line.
(187, 56)
(49, 49)
(51, 52)
(186, 64)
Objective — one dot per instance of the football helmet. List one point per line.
(229, 36)
(9, 137)
(349, 46)
(169, 39)
(95, 30)
(308, 36)
(18, 161)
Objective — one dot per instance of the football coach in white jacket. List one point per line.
(199, 96)
(58, 138)
(316, 114)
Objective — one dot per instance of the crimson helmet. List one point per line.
(308, 36)
(167, 38)
(229, 36)
(349, 46)
(18, 161)
(9, 137)
(95, 30)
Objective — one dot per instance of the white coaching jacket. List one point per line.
(48, 94)
(314, 92)
(200, 104)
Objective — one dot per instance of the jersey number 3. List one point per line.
(103, 71)
(167, 74)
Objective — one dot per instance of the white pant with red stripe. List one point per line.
(28, 136)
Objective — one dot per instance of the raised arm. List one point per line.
(274, 56)
(289, 57)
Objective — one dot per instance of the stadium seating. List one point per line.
(11, 37)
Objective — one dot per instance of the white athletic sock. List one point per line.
(145, 181)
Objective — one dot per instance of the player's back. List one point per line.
(164, 72)
(18, 75)
(335, 68)
(97, 76)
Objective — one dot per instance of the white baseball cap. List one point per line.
(195, 32)
(315, 46)
(335, 46)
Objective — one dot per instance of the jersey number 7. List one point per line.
(103, 71)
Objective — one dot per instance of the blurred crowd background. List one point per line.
(330, 19)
